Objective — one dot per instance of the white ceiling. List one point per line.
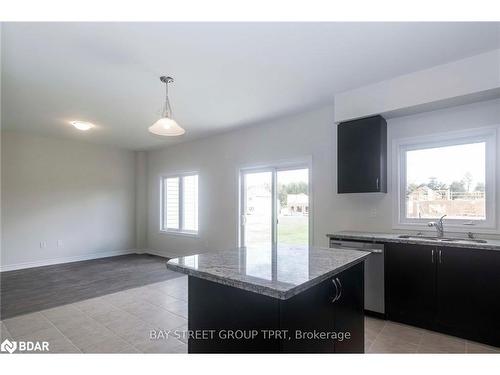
(226, 74)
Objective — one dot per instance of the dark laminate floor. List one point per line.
(40, 288)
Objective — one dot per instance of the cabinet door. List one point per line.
(468, 293)
(309, 311)
(362, 155)
(349, 310)
(410, 283)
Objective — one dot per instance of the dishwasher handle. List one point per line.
(377, 248)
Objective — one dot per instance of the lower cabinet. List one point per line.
(332, 306)
(349, 312)
(468, 293)
(335, 305)
(447, 289)
(410, 279)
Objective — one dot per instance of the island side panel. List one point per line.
(213, 306)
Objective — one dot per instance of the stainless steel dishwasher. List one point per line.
(374, 272)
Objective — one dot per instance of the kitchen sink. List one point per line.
(445, 239)
(434, 238)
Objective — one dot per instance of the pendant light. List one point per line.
(166, 126)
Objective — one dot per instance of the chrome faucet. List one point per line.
(439, 226)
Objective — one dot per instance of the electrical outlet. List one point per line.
(60, 243)
(43, 244)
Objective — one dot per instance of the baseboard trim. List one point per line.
(78, 258)
(162, 254)
(376, 314)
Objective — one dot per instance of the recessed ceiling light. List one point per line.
(82, 125)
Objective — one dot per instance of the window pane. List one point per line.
(190, 203)
(446, 181)
(258, 209)
(293, 206)
(171, 204)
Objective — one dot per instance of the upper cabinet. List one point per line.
(362, 156)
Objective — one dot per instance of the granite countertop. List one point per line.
(275, 272)
(395, 237)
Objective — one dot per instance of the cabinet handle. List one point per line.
(440, 257)
(336, 291)
(340, 292)
(432, 255)
(377, 184)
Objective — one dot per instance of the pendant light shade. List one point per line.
(166, 125)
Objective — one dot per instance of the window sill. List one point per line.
(180, 233)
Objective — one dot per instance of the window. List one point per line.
(448, 175)
(180, 204)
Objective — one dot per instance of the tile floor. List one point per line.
(121, 323)
(383, 336)
(114, 323)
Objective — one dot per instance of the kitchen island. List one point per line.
(287, 299)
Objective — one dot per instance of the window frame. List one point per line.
(181, 231)
(401, 146)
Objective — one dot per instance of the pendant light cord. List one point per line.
(167, 111)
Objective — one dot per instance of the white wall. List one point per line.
(141, 200)
(218, 159)
(463, 117)
(101, 201)
(463, 81)
(56, 189)
(314, 133)
(1, 25)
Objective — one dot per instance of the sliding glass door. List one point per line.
(274, 206)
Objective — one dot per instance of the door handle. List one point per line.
(432, 255)
(340, 291)
(336, 291)
(440, 257)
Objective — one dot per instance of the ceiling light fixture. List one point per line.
(166, 126)
(82, 125)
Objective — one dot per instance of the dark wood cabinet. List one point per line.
(349, 310)
(454, 290)
(362, 155)
(218, 309)
(338, 307)
(448, 289)
(297, 313)
(468, 293)
(410, 279)
(214, 310)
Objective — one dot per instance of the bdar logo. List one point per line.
(8, 346)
